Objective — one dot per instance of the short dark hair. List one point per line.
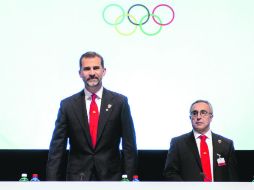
(203, 101)
(90, 54)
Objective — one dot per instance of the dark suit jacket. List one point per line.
(183, 161)
(115, 124)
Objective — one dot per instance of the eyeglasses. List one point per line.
(203, 113)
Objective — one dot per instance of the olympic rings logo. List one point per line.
(135, 11)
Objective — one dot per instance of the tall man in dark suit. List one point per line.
(94, 153)
(184, 161)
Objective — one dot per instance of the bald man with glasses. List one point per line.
(201, 155)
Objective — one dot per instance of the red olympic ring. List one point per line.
(163, 5)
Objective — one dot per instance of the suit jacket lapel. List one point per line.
(216, 150)
(81, 113)
(105, 111)
(193, 146)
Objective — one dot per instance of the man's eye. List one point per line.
(86, 68)
(96, 68)
(194, 113)
(203, 112)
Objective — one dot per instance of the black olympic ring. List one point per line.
(148, 14)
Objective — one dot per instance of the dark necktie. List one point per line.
(94, 117)
(205, 159)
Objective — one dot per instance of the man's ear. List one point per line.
(104, 71)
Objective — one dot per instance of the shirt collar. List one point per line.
(89, 94)
(208, 134)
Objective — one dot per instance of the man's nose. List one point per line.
(91, 72)
(199, 116)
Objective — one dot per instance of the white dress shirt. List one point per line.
(88, 97)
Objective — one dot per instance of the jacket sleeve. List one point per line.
(232, 164)
(57, 149)
(128, 140)
(172, 165)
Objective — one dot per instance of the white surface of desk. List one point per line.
(126, 186)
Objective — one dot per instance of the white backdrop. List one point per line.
(206, 52)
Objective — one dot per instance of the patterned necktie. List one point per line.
(94, 117)
(205, 159)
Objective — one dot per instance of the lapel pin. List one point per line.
(109, 106)
(219, 141)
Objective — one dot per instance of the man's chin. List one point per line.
(201, 129)
(93, 84)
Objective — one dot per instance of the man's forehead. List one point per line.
(200, 106)
(93, 61)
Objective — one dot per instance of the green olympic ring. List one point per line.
(150, 34)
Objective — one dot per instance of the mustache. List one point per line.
(92, 77)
